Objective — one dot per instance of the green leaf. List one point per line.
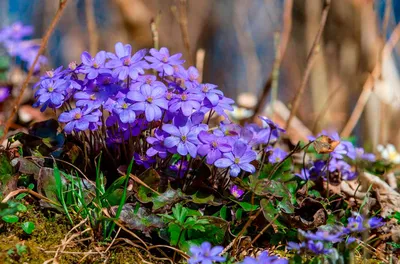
(10, 219)
(21, 208)
(286, 206)
(203, 198)
(28, 227)
(222, 212)
(174, 231)
(247, 207)
(6, 171)
(271, 187)
(238, 214)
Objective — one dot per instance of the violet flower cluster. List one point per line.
(322, 241)
(205, 254)
(15, 41)
(116, 96)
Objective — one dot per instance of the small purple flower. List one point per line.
(180, 167)
(344, 168)
(277, 155)
(211, 93)
(275, 128)
(188, 78)
(16, 31)
(4, 94)
(224, 104)
(318, 248)
(205, 254)
(236, 192)
(375, 222)
(323, 235)
(314, 172)
(51, 93)
(238, 159)
(78, 120)
(93, 66)
(188, 102)
(162, 61)
(125, 111)
(150, 100)
(143, 160)
(123, 64)
(212, 146)
(265, 258)
(183, 137)
(145, 79)
(355, 224)
(296, 246)
(157, 144)
(362, 155)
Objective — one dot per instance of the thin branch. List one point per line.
(43, 46)
(310, 62)
(284, 40)
(369, 84)
(154, 31)
(91, 26)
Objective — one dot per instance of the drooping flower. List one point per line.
(314, 172)
(236, 192)
(183, 137)
(275, 128)
(205, 254)
(78, 120)
(180, 167)
(93, 66)
(124, 65)
(162, 62)
(265, 258)
(143, 160)
(150, 100)
(212, 146)
(238, 159)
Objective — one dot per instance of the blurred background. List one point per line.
(235, 44)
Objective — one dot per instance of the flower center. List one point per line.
(184, 138)
(95, 65)
(72, 65)
(124, 105)
(149, 80)
(165, 59)
(168, 96)
(205, 89)
(50, 74)
(78, 116)
(93, 97)
(50, 89)
(127, 61)
(214, 144)
(184, 97)
(149, 99)
(237, 160)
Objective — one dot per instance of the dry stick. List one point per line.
(310, 62)
(45, 40)
(91, 26)
(37, 195)
(263, 230)
(154, 32)
(324, 110)
(183, 23)
(369, 84)
(284, 40)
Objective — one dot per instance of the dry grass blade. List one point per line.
(43, 46)
(136, 179)
(310, 62)
(37, 195)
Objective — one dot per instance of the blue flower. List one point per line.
(79, 120)
(277, 155)
(205, 254)
(264, 258)
(161, 60)
(51, 93)
(125, 111)
(93, 66)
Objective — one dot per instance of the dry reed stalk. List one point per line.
(91, 26)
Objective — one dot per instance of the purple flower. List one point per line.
(125, 111)
(318, 248)
(29, 54)
(345, 148)
(275, 128)
(236, 192)
(188, 101)
(224, 104)
(238, 159)
(123, 64)
(355, 224)
(375, 222)
(205, 254)
(16, 31)
(78, 120)
(183, 137)
(180, 167)
(143, 160)
(362, 155)
(296, 246)
(145, 79)
(51, 93)
(277, 155)
(150, 100)
(323, 235)
(344, 168)
(93, 66)
(157, 144)
(265, 258)
(4, 94)
(212, 146)
(211, 93)
(188, 78)
(314, 172)
(161, 60)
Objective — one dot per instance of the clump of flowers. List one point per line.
(205, 254)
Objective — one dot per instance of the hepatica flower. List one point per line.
(212, 146)
(236, 192)
(211, 93)
(125, 111)
(188, 78)
(188, 101)
(238, 159)
(277, 155)
(205, 254)
(51, 93)
(161, 60)
(4, 93)
(265, 258)
(180, 167)
(150, 100)
(362, 155)
(157, 144)
(78, 120)
(124, 64)
(144, 160)
(314, 172)
(93, 66)
(184, 138)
